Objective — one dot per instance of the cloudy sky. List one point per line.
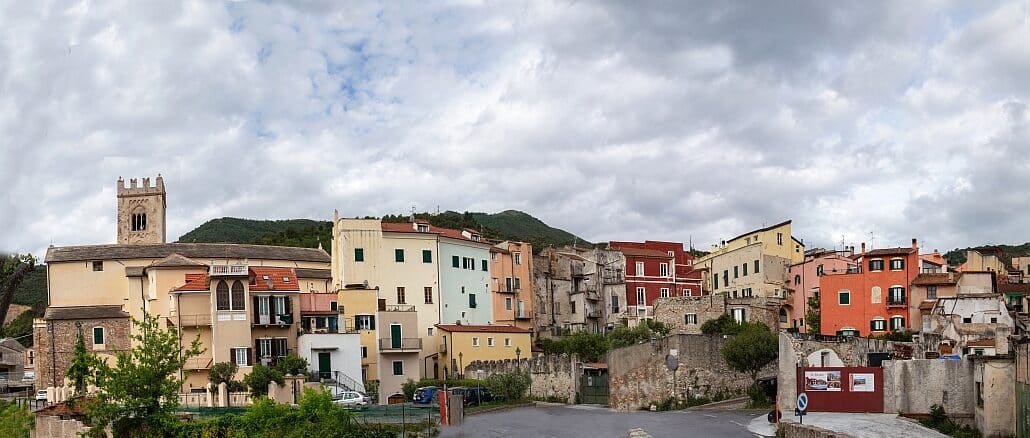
(679, 120)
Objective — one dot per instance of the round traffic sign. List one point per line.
(802, 402)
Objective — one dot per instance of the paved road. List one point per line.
(598, 422)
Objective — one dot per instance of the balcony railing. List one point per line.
(399, 308)
(505, 290)
(197, 363)
(278, 320)
(522, 315)
(199, 320)
(594, 313)
(228, 270)
(895, 301)
(391, 344)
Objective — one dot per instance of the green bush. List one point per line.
(939, 420)
(508, 386)
(292, 364)
(259, 378)
(15, 421)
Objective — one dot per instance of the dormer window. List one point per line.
(422, 228)
(286, 279)
(475, 238)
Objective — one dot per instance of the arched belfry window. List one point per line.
(138, 220)
(222, 295)
(237, 295)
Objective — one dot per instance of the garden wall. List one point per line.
(552, 376)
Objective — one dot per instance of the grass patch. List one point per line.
(941, 423)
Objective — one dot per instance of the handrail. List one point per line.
(405, 344)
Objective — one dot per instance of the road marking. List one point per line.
(709, 415)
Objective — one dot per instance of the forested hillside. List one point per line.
(957, 256)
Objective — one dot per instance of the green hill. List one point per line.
(957, 256)
(509, 224)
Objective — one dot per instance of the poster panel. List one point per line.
(863, 382)
(822, 381)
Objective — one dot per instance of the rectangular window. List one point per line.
(663, 269)
(690, 319)
(365, 322)
(876, 265)
(398, 368)
(98, 335)
(726, 277)
(472, 301)
(98, 266)
(518, 283)
(490, 341)
(364, 352)
(744, 268)
(507, 342)
(878, 325)
(844, 298)
(428, 291)
(615, 304)
(485, 266)
(507, 304)
(455, 261)
(508, 284)
(333, 306)
(896, 295)
(756, 267)
(640, 269)
(427, 256)
(897, 323)
(897, 264)
(739, 315)
(664, 292)
(475, 342)
(931, 292)
(736, 272)
(640, 296)
(779, 238)
(518, 258)
(398, 255)
(573, 307)
(241, 356)
(400, 295)
(715, 281)
(359, 254)
(430, 331)
(819, 271)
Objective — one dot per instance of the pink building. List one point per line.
(804, 280)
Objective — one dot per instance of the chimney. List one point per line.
(915, 244)
(863, 249)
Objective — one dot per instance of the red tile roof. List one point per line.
(890, 251)
(393, 227)
(1005, 287)
(989, 342)
(282, 279)
(195, 282)
(637, 252)
(935, 278)
(481, 328)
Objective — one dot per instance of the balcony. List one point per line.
(199, 320)
(228, 271)
(592, 295)
(522, 315)
(895, 301)
(400, 345)
(198, 363)
(595, 313)
(279, 320)
(398, 308)
(505, 290)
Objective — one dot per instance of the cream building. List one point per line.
(755, 263)
(240, 300)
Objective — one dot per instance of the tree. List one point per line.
(812, 317)
(15, 421)
(508, 386)
(224, 372)
(643, 332)
(85, 366)
(751, 350)
(259, 378)
(141, 391)
(292, 364)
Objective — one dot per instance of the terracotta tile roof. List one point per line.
(195, 282)
(637, 252)
(935, 278)
(989, 342)
(85, 312)
(481, 328)
(176, 261)
(890, 251)
(191, 250)
(499, 250)
(1010, 288)
(282, 279)
(927, 305)
(313, 273)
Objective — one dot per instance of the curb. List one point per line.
(500, 408)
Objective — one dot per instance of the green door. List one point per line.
(325, 368)
(594, 387)
(395, 336)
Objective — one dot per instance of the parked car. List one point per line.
(424, 395)
(473, 396)
(41, 395)
(352, 398)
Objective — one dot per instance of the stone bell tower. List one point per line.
(141, 211)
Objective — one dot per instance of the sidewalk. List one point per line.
(856, 425)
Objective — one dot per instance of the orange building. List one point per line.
(874, 297)
(511, 280)
(804, 282)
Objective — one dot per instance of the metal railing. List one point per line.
(895, 300)
(387, 344)
(336, 379)
(228, 270)
(399, 308)
(198, 320)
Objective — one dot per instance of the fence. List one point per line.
(397, 414)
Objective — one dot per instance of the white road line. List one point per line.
(738, 424)
(709, 415)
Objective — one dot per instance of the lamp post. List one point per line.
(461, 364)
(518, 354)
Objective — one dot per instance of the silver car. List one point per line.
(352, 398)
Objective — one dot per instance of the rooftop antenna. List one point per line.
(872, 240)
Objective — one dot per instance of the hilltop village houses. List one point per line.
(404, 301)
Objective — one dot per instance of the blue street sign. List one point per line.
(802, 403)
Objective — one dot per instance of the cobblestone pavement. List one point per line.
(600, 422)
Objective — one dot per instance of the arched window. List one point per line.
(897, 323)
(237, 295)
(222, 295)
(138, 219)
(877, 295)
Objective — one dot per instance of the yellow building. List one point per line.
(460, 345)
(755, 263)
(358, 308)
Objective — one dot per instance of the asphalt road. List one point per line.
(599, 422)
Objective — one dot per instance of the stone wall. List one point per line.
(672, 311)
(54, 341)
(552, 376)
(912, 386)
(50, 426)
(995, 377)
(794, 430)
(638, 374)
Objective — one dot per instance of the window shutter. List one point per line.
(372, 322)
(872, 325)
(902, 326)
(454, 261)
(289, 308)
(250, 356)
(257, 348)
(256, 307)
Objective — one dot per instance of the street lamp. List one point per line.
(461, 363)
(518, 353)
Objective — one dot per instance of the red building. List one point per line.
(657, 270)
(874, 297)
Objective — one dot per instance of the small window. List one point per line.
(739, 315)
(797, 279)
(364, 352)
(286, 279)
(715, 281)
(878, 325)
(400, 295)
(897, 323)
(241, 356)
(486, 266)
(640, 268)
(736, 272)
(690, 319)
(756, 267)
(490, 341)
(819, 271)
(428, 292)
(427, 256)
(744, 268)
(475, 342)
(573, 307)
(398, 368)
(472, 301)
(967, 320)
(507, 304)
(430, 331)
(931, 292)
(98, 266)
(493, 256)
(365, 322)
(398, 255)
(897, 264)
(422, 228)
(663, 269)
(507, 342)
(359, 254)
(844, 298)
(779, 238)
(876, 265)
(98, 336)
(455, 261)
(334, 306)
(994, 320)
(518, 258)
(664, 292)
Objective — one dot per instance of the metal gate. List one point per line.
(593, 387)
